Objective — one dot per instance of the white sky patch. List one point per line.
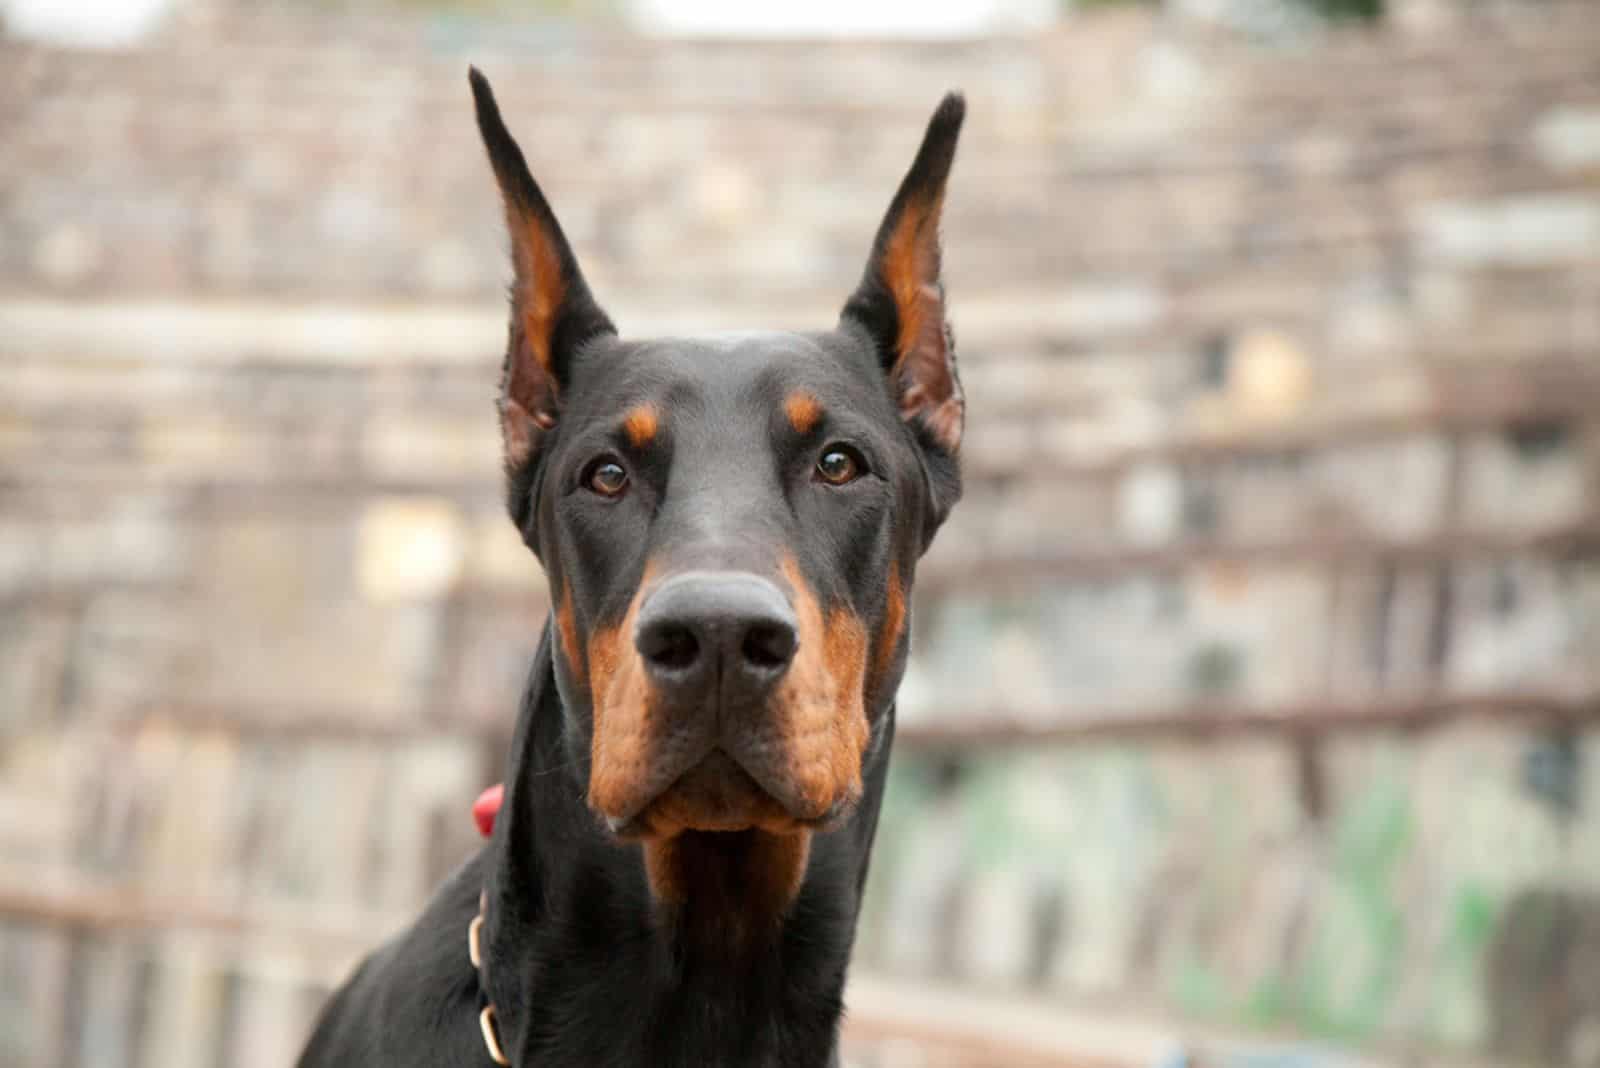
(83, 23)
(121, 23)
(841, 18)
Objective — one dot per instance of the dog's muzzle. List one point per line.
(730, 734)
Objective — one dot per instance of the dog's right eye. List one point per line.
(840, 464)
(606, 477)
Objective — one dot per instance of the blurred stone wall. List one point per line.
(1254, 680)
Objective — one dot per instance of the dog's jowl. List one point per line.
(731, 527)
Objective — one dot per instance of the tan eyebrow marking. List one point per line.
(894, 620)
(803, 410)
(567, 625)
(641, 424)
(819, 710)
(626, 717)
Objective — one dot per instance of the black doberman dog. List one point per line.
(730, 526)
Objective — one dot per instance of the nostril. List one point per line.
(769, 645)
(670, 646)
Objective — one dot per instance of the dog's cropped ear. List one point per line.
(901, 297)
(552, 312)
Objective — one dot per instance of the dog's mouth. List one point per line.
(718, 795)
(705, 721)
(719, 748)
(721, 853)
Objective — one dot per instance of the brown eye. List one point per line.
(839, 465)
(607, 478)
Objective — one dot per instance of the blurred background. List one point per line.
(1254, 716)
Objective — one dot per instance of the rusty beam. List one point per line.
(86, 906)
(943, 576)
(994, 726)
(1213, 719)
(1478, 402)
(1553, 390)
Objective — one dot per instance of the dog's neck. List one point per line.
(585, 967)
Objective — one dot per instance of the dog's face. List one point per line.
(730, 525)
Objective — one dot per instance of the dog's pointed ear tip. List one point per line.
(950, 112)
(491, 126)
(482, 92)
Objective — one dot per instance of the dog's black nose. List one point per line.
(706, 628)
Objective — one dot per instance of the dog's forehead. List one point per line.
(730, 367)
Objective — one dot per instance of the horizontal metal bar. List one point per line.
(56, 902)
(1203, 720)
(1554, 389)
(943, 575)
(995, 726)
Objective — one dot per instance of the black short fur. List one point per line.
(586, 964)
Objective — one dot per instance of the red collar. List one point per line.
(487, 806)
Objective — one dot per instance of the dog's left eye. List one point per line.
(606, 477)
(840, 464)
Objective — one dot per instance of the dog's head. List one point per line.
(730, 525)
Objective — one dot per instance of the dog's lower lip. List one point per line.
(830, 820)
(625, 826)
(664, 815)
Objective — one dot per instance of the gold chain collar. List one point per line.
(486, 1018)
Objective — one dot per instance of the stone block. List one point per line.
(132, 651)
(130, 541)
(1150, 501)
(34, 654)
(1536, 478)
(68, 255)
(494, 651)
(1522, 231)
(1104, 308)
(292, 621)
(498, 558)
(410, 548)
(1568, 138)
(373, 660)
(417, 446)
